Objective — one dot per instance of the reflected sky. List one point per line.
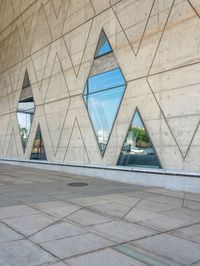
(137, 122)
(103, 46)
(102, 107)
(105, 81)
(103, 94)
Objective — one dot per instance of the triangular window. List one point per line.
(138, 150)
(103, 46)
(25, 111)
(38, 150)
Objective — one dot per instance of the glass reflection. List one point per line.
(106, 80)
(138, 149)
(25, 115)
(25, 111)
(103, 46)
(102, 96)
(38, 150)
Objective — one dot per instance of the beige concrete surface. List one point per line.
(156, 45)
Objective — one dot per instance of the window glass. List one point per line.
(103, 95)
(138, 150)
(25, 112)
(105, 81)
(38, 150)
(103, 46)
(102, 108)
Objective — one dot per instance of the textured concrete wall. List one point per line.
(156, 44)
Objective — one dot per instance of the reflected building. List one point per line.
(138, 150)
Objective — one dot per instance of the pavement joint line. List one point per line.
(183, 200)
(137, 223)
(162, 256)
(115, 218)
(27, 238)
(16, 231)
(56, 222)
(131, 208)
(87, 253)
(57, 239)
(46, 250)
(198, 261)
(163, 203)
(160, 194)
(53, 215)
(139, 256)
(65, 219)
(109, 246)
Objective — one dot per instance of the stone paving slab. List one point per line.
(170, 193)
(76, 245)
(119, 231)
(191, 204)
(189, 233)
(28, 225)
(7, 234)
(185, 214)
(107, 257)
(176, 202)
(59, 211)
(174, 248)
(57, 231)
(113, 209)
(154, 206)
(196, 264)
(17, 211)
(86, 218)
(165, 223)
(23, 253)
(144, 256)
(138, 214)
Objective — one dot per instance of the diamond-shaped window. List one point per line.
(25, 111)
(138, 150)
(103, 93)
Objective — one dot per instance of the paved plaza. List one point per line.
(44, 221)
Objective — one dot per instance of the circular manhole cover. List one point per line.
(78, 184)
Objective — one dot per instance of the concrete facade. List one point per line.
(156, 44)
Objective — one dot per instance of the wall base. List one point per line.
(179, 181)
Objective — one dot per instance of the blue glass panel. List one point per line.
(102, 108)
(138, 150)
(105, 80)
(103, 46)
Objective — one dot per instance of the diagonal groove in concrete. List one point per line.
(139, 200)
